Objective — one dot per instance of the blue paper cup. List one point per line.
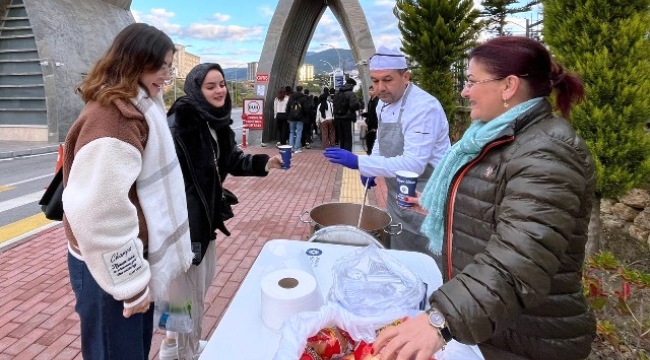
(285, 152)
(406, 182)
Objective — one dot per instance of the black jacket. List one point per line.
(371, 116)
(197, 153)
(519, 224)
(302, 100)
(353, 103)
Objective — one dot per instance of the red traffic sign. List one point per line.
(262, 78)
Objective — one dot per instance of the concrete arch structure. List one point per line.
(290, 32)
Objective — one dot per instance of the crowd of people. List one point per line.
(504, 211)
(301, 116)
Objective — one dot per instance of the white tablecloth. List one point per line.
(241, 335)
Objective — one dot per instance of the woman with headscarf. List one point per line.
(205, 143)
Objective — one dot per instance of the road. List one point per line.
(22, 183)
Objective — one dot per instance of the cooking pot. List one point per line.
(345, 235)
(375, 221)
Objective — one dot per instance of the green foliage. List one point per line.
(436, 34)
(169, 96)
(607, 43)
(615, 293)
(604, 260)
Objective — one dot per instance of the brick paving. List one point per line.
(37, 318)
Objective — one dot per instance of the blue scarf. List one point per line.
(434, 196)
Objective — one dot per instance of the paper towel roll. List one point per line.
(286, 292)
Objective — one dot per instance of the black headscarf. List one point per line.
(216, 117)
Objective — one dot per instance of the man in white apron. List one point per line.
(413, 135)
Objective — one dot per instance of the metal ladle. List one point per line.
(363, 204)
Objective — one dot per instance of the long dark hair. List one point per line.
(138, 48)
(532, 63)
(323, 101)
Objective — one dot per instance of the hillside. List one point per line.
(318, 59)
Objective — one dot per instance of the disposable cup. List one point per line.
(406, 182)
(285, 152)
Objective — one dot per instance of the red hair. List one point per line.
(532, 63)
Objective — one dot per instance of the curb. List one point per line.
(27, 152)
(33, 234)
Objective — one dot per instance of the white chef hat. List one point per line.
(387, 59)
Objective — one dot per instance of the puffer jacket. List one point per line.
(197, 153)
(520, 215)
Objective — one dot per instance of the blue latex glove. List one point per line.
(371, 181)
(343, 157)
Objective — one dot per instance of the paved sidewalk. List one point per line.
(37, 318)
(11, 149)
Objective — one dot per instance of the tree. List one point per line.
(437, 33)
(607, 43)
(496, 12)
(174, 91)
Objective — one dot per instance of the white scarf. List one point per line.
(161, 192)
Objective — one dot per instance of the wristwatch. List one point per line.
(438, 321)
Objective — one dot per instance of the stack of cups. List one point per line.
(406, 182)
(285, 152)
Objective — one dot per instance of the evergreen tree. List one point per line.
(496, 12)
(607, 43)
(174, 91)
(437, 33)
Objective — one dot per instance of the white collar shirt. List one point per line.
(426, 135)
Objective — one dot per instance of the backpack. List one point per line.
(309, 106)
(295, 112)
(341, 104)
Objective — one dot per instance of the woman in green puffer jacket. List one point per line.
(508, 208)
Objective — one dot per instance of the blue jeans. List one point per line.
(105, 333)
(295, 134)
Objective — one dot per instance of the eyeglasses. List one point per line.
(167, 70)
(469, 83)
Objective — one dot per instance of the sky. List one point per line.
(232, 32)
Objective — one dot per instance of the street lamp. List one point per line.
(526, 27)
(325, 61)
(174, 78)
(337, 52)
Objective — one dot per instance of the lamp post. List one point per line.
(174, 78)
(337, 52)
(526, 27)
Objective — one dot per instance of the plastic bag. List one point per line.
(370, 282)
(370, 289)
(174, 311)
(296, 329)
(299, 327)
